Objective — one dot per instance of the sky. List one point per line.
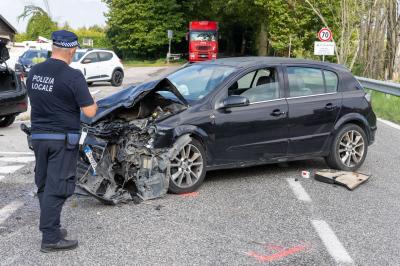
(77, 13)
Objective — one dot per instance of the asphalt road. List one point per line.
(252, 216)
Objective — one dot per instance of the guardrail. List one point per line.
(387, 87)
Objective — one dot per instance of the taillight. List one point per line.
(22, 105)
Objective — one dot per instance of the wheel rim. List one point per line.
(187, 166)
(351, 148)
(117, 77)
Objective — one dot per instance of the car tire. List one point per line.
(116, 78)
(90, 83)
(348, 149)
(7, 120)
(182, 170)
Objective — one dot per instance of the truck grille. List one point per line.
(204, 48)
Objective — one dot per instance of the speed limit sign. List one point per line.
(325, 35)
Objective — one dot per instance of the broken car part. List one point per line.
(351, 180)
(118, 159)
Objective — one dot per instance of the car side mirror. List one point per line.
(87, 61)
(235, 101)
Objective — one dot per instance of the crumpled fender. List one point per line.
(166, 137)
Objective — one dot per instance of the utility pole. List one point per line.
(290, 44)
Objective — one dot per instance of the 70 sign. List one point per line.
(325, 35)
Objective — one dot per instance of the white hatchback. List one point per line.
(99, 65)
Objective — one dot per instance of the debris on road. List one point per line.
(351, 180)
(305, 174)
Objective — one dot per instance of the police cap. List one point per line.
(64, 39)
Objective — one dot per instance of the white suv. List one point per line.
(99, 65)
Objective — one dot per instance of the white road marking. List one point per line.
(331, 242)
(9, 209)
(9, 169)
(298, 190)
(1, 177)
(15, 153)
(391, 124)
(17, 159)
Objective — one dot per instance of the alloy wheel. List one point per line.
(118, 77)
(351, 148)
(187, 166)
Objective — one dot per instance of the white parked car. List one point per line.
(99, 65)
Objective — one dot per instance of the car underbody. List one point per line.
(123, 164)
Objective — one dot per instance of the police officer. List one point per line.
(57, 94)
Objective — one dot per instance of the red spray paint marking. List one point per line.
(191, 194)
(281, 254)
(273, 247)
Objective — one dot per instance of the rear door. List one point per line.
(314, 105)
(257, 132)
(90, 66)
(105, 64)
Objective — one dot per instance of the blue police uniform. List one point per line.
(56, 92)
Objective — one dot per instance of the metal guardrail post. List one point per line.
(387, 87)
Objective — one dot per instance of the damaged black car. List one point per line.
(13, 95)
(164, 135)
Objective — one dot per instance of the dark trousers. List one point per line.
(55, 179)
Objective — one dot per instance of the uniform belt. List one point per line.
(48, 136)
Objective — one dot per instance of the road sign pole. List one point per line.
(169, 51)
(169, 34)
(323, 58)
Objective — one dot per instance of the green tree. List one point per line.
(139, 27)
(96, 33)
(39, 23)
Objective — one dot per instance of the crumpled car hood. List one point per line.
(127, 98)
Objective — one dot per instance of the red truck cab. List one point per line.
(203, 40)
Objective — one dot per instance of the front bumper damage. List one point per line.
(127, 172)
(130, 164)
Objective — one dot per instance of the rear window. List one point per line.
(304, 81)
(331, 81)
(105, 56)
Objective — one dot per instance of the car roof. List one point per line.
(246, 61)
(36, 50)
(94, 50)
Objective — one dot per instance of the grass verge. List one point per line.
(386, 106)
(152, 63)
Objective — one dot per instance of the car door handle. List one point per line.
(330, 107)
(277, 112)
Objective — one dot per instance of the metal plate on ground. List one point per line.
(351, 180)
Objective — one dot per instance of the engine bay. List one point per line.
(118, 162)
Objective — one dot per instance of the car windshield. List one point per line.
(196, 81)
(203, 35)
(77, 56)
(34, 54)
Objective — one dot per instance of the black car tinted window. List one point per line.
(104, 56)
(245, 81)
(305, 81)
(257, 86)
(331, 81)
(93, 57)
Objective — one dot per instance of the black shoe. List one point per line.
(63, 232)
(61, 245)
